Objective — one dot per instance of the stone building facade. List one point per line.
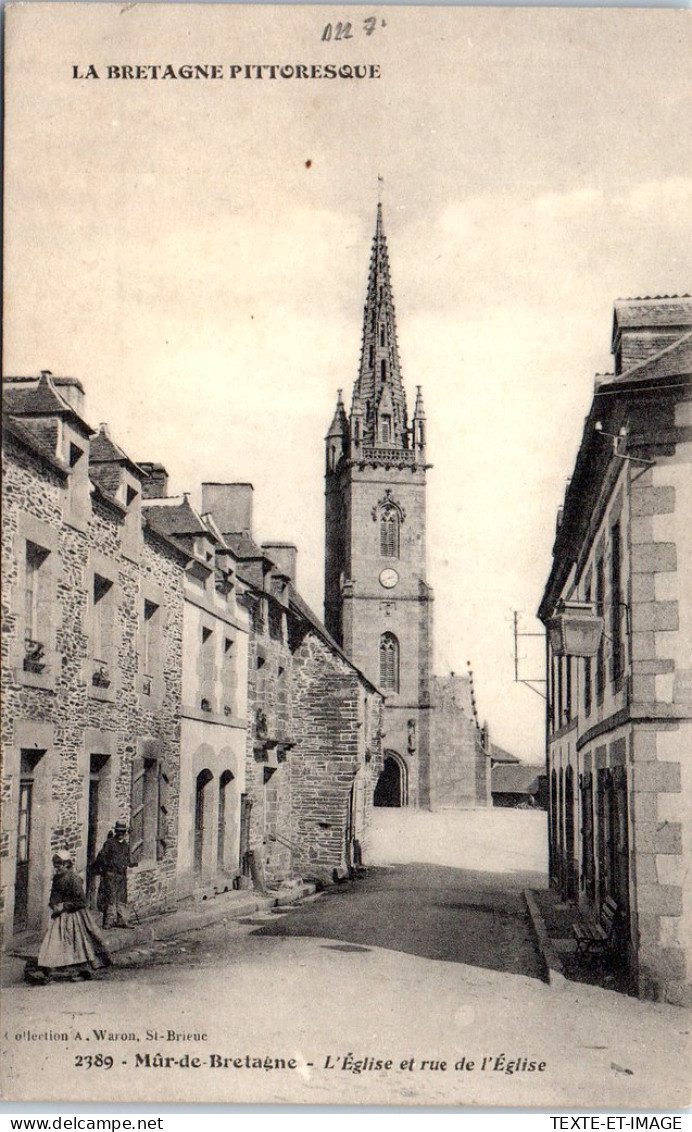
(314, 730)
(78, 723)
(159, 671)
(620, 719)
(213, 704)
(378, 604)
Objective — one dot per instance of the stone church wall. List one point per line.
(460, 777)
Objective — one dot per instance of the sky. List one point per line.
(196, 252)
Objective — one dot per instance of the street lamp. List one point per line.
(575, 630)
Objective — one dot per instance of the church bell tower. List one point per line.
(378, 605)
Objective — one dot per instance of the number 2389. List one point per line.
(93, 1061)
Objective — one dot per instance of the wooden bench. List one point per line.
(599, 937)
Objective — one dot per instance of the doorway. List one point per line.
(203, 780)
(28, 863)
(392, 785)
(225, 822)
(96, 823)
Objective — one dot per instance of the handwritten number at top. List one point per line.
(345, 30)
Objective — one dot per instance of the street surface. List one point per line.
(418, 985)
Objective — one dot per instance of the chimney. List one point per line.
(155, 486)
(231, 506)
(644, 327)
(285, 556)
(71, 390)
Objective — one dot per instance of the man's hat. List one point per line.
(120, 827)
(62, 855)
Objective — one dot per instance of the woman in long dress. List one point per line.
(73, 944)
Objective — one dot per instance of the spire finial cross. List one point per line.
(380, 183)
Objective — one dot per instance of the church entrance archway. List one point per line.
(392, 785)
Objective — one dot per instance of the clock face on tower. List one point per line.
(389, 578)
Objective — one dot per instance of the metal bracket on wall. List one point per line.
(530, 683)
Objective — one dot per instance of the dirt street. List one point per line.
(368, 995)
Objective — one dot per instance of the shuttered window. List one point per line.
(137, 810)
(389, 662)
(162, 814)
(150, 810)
(389, 533)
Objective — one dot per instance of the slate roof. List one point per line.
(499, 755)
(180, 519)
(104, 450)
(33, 443)
(515, 778)
(663, 368)
(675, 359)
(243, 546)
(301, 607)
(31, 399)
(655, 310)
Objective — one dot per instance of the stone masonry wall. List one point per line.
(461, 771)
(28, 486)
(329, 760)
(68, 716)
(268, 781)
(662, 678)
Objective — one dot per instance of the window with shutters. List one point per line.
(149, 815)
(588, 674)
(616, 602)
(102, 635)
(207, 670)
(389, 533)
(229, 676)
(33, 642)
(35, 598)
(389, 662)
(151, 655)
(600, 609)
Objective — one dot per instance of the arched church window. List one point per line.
(389, 662)
(386, 428)
(383, 369)
(382, 335)
(389, 533)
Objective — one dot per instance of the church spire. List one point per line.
(379, 388)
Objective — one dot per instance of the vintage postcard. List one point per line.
(347, 555)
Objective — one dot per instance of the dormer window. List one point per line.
(75, 455)
(130, 494)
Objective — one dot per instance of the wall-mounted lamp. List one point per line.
(575, 630)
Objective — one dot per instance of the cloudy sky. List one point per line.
(196, 252)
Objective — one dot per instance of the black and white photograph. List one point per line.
(347, 556)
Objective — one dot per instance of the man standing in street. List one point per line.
(112, 864)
